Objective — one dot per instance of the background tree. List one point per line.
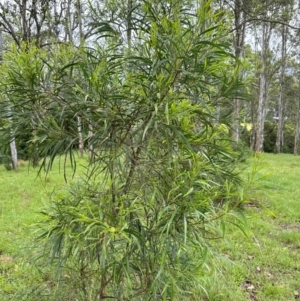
(44, 23)
(12, 139)
(258, 127)
(297, 132)
(286, 16)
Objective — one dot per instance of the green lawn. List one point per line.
(265, 265)
(22, 194)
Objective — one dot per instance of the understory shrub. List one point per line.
(154, 116)
(270, 137)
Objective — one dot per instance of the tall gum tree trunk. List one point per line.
(69, 25)
(279, 135)
(12, 144)
(260, 119)
(297, 134)
(239, 39)
(262, 98)
(13, 150)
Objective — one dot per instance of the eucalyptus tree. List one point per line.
(44, 22)
(240, 15)
(297, 73)
(279, 136)
(241, 11)
(258, 129)
(254, 21)
(297, 132)
(269, 17)
(12, 143)
(286, 15)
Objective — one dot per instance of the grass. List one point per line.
(264, 265)
(22, 194)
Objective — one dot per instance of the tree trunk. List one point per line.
(239, 39)
(80, 138)
(253, 122)
(13, 150)
(279, 135)
(297, 134)
(12, 144)
(129, 24)
(260, 119)
(262, 98)
(23, 8)
(68, 23)
(91, 153)
(80, 25)
(79, 120)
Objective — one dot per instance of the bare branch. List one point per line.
(263, 20)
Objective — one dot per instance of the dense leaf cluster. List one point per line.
(155, 118)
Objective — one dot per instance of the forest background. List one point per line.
(263, 36)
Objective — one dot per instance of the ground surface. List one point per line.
(264, 265)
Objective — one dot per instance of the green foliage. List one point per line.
(270, 132)
(155, 117)
(289, 138)
(270, 137)
(243, 150)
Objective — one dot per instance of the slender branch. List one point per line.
(264, 20)
(7, 26)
